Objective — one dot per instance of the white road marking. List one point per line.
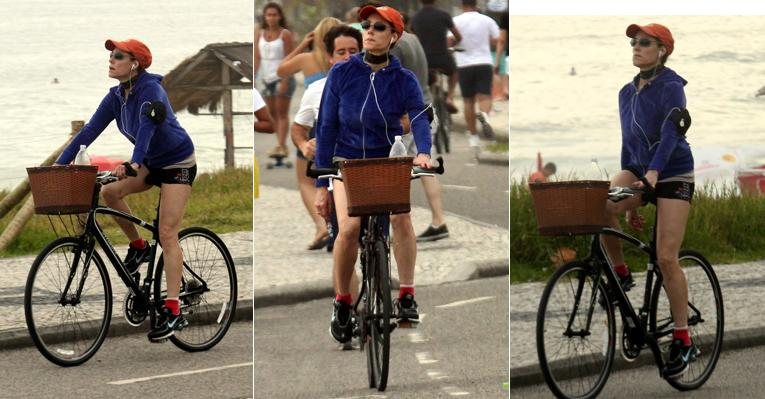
(416, 338)
(465, 302)
(437, 375)
(424, 358)
(454, 391)
(142, 379)
(362, 397)
(458, 187)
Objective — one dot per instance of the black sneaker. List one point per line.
(679, 357)
(627, 282)
(406, 309)
(168, 325)
(433, 233)
(341, 324)
(135, 257)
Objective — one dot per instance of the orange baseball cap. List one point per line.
(135, 47)
(657, 31)
(390, 14)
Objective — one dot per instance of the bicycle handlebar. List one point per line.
(334, 173)
(617, 194)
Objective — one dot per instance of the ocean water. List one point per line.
(43, 40)
(573, 119)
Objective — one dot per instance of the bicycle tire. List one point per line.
(706, 326)
(569, 372)
(209, 313)
(67, 334)
(380, 304)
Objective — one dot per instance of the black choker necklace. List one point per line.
(651, 72)
(375, 59)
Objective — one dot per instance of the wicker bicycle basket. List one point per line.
(570, 207)
(377, 185)
(61, 190)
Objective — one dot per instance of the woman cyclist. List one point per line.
(163, 156)
(654, 121)
(361, 107)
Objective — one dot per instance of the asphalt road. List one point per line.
(131, 367)
(458, 350)
(475, 190)
(738, 375)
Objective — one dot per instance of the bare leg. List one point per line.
(672, 218)
(452, 84)
(115, 193)
(282, 122)
(404, 247)
(469, 110)
(484, 102)
(614, 210)
(346, 249)
(171, 210)
(307, 188)
(432, 188)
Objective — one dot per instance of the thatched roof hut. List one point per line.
(207, 79)
(198, 81)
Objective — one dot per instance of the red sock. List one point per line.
(174, 305)
(345, 298)
(622, 270)
(403, 290)
(682, 334)
(139, 244)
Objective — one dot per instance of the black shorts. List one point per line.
(475, 79)
(444, 63)
(158, 177)
(675, 190)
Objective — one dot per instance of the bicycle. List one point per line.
(373, 307)
(576, 313)
(68, 296)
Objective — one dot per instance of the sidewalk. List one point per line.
(744, 323)
(285, 272)
(499, 120)
(13, 328)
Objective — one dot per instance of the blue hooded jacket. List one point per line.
(650, 141)
(157, 144)
(361, 111)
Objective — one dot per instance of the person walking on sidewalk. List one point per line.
(361, 106)
(409, 51)
(431, 25)
(475, 67)
(163, 156)
(272, 41)
(654, 121)
(340, 42)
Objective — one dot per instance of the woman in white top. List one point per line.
(274, 40)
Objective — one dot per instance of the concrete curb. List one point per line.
(19, 338)
(732, 340)
(304, 292)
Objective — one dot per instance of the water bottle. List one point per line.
(398, 149)
(82, 157)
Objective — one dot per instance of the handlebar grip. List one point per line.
(438, 169)
(310, 171)
(129, 169)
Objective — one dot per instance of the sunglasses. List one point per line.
(119, 56)
(378, 26)
(642, 42)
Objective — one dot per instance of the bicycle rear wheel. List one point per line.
(208, 289)
(575, 332)
(379, 302)
(441, 138)
(67, 328)
(705, 319)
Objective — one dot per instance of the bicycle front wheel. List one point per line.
(378, 350)
(208, 289)
(67, 303)
(705, 319)
(575, 332)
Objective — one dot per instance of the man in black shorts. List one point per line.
(431, 24)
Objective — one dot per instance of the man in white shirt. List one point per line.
(341, 43)
(474, 63)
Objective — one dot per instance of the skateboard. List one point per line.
(279, 162)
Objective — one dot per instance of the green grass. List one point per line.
(498, 147)
(724, 226)
(220, 201)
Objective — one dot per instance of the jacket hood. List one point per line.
(664, 76)
(358, 59)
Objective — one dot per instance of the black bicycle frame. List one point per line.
(372, 233)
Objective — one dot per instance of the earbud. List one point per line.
(661, 53)
(134, 66)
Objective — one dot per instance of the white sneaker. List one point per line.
(474, 140)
